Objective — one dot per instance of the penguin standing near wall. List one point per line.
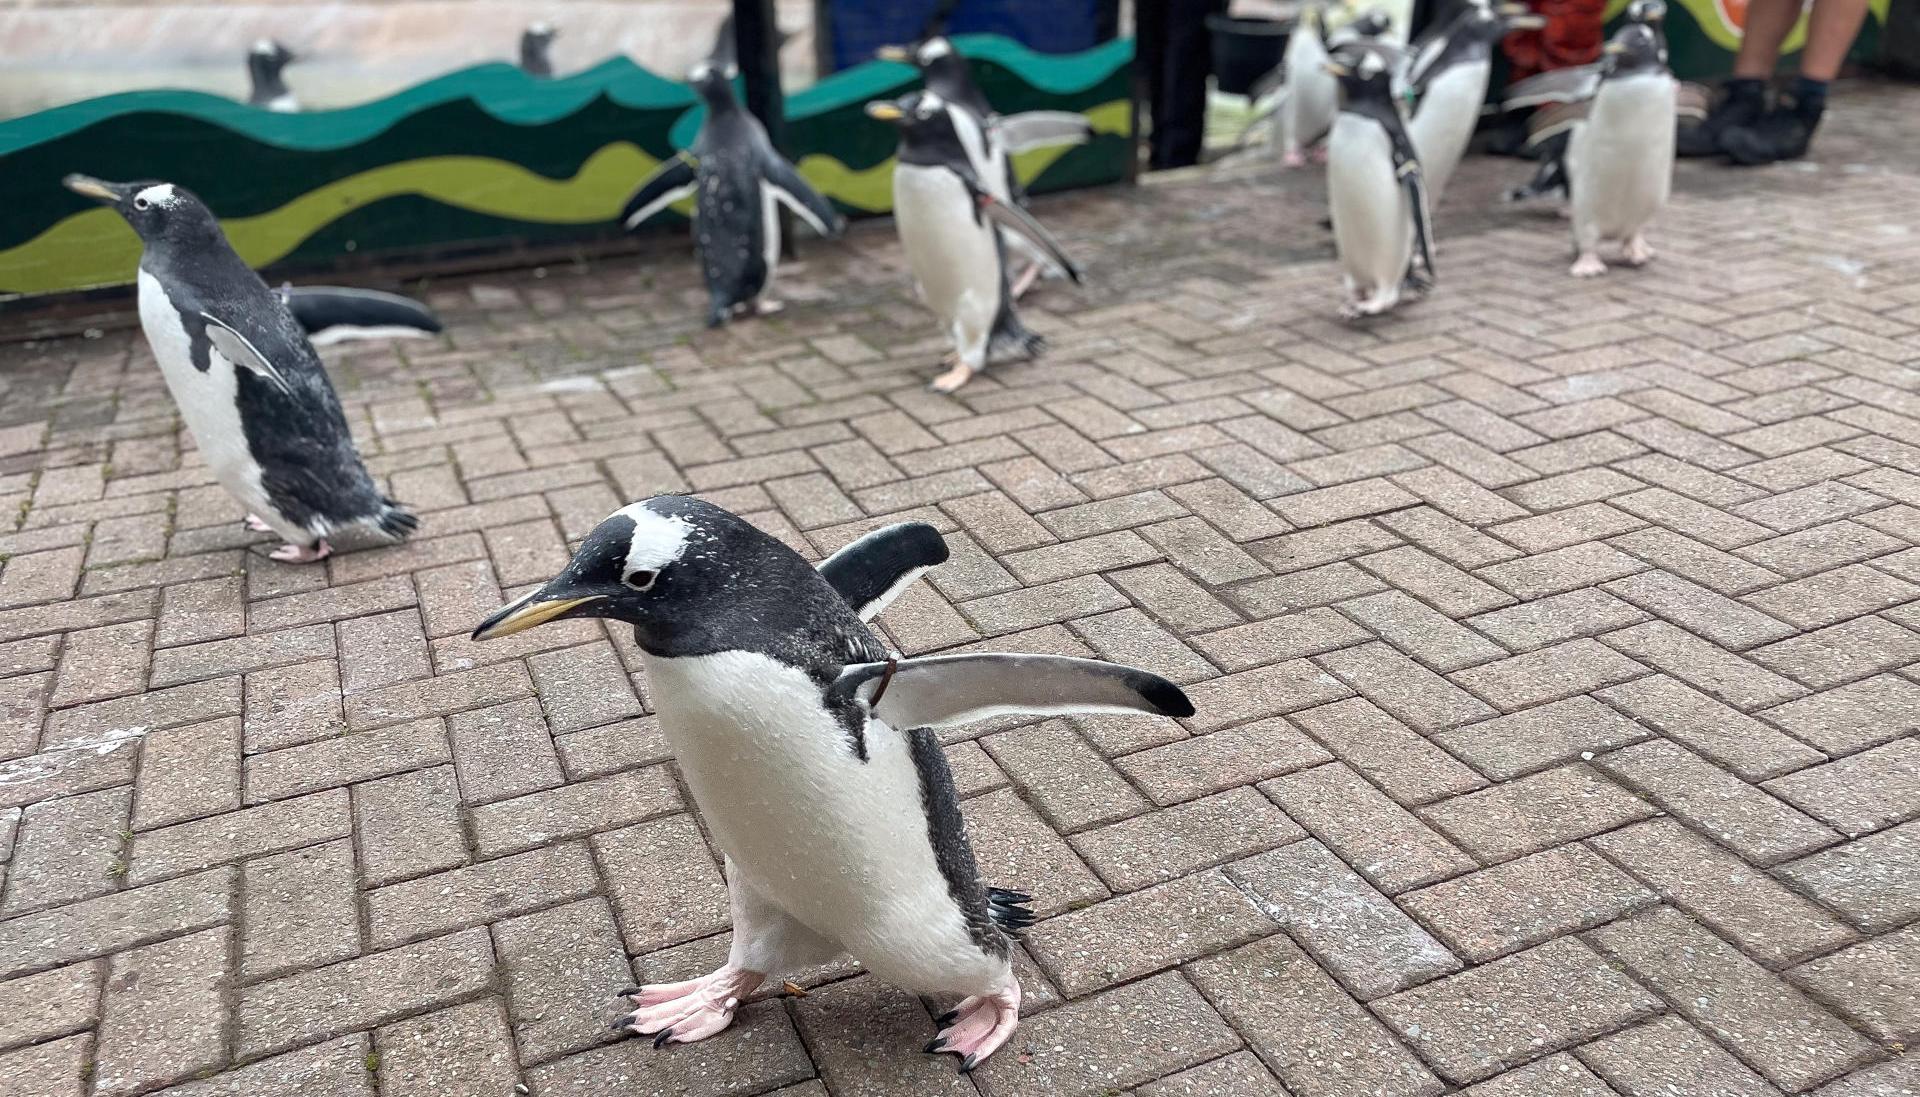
(1300, 95)
(267, 86)
(991, 139)
(813, 757)
(247, 382)
(1381, 222)
(741, 182)
(536, 44)
(1449, 81)
(953, 226)
(1616, 161)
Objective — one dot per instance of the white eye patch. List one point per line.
(161, 195)
(657, 540)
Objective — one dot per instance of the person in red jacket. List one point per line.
(1573, 36)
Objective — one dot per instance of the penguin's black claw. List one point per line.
(620, 1023)
(934, 1045)
(946, 1018)
(966, 1065)
(626, 992)
(661, 1040)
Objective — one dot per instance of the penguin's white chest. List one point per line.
(1443, 124)
(206, 399)
(1620, 157)
(1313, 95)
(840, 844)
(949, 246)
(1372, 215)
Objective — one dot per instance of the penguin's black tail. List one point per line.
(395, 521)
(1012, 911)
(1011, 339)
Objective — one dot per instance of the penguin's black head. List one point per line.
(533, 48)
(160, 212)
(925, 122)
(1634, 49)
(671, 566)
(1371, 23)
(930, 54)
(1364, 74)
(714, 82)
(268, 57)
(1651, 12)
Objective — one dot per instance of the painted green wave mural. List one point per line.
(1704, 34)
(482, 159)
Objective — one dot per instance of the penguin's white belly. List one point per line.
(1620, 158)
(840, 844)
(1372, 220)
(1443, 124)
(206, 401)
(1313, 95)
(952, 252)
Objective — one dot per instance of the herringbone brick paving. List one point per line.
(1556, 648)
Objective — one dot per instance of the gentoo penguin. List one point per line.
(247, 382)
(1381, 223)
(1563, 96)
(742, 181)
(535, 42)
(1449, 81)
(952, 225)
(336, 314)
(1617, 162)
(812, 754)
(991, 139)
(265, 63)
(1301, 96)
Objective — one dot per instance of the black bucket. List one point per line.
(1244, 50)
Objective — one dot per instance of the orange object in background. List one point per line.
(1572, 36)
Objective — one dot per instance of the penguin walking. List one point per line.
(266, 62)
(741, 181)
(1301, 96)
(1617, 160)
(1449, 81)
(812, 754)
(337, 314)
(1381, 223)
(953, 227)
(535, 45)
(247, 382)
(991, 139)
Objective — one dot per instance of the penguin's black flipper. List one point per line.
(673, 180)
(1039, 129)
(947, 690)
(1014, 219)
(871, 572)
(1568, 85)
(235, 348)
(1406, 167)
(333, 314)
(796, 194)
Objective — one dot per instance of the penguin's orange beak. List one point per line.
(894, 53)
(885, 111)
(92, 188)
(526, 613)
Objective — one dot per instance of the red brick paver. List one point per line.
(1556, 648)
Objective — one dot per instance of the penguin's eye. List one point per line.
(640, 580)
(141, 203)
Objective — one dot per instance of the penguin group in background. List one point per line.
(741, 182)
(338, 314)
(266, 63)
(247, 382)
(1561, 97)
(536, 43)
(1301, 96)
(953, 227)
(991, 139)
(814, 757)
(1616, 162)
(1382, 225)
(1448, 75)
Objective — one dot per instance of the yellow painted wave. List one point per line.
(97, 248)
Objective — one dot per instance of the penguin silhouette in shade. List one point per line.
(266, 65)
(247, 382)
(1449, 80)
(741, 181)
(814, 756)
(535, 43)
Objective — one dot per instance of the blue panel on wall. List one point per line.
(1050, 26)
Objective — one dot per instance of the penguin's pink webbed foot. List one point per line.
(1638, 252)
(1293, 158)
(1588, 265)
(257, 524)
(1319, 153)
(680, 1013)
(1026, 280)
(951, 380)
(302, 554)
(979, 1025)
(767, 307)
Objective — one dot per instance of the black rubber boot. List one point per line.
(1782, 133)
(1742, 102)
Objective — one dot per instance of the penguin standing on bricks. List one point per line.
(247, 382)
(1300, 95)
(951, 226)
(741, 181)
(1617, 160)
(1450, 83)
(1381, 222)
(813, 757)
(267, 88)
